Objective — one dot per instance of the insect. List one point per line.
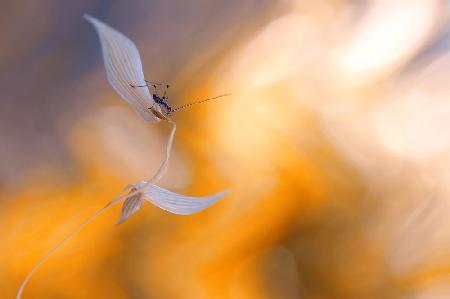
(161, 100)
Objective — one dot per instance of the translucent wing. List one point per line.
(177, 203)
(124, 68)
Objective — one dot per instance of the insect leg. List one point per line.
(138, 85)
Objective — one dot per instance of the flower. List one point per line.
(124, 72)
(165, 199)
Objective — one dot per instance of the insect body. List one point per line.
(162, 100)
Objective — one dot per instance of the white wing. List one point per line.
(124, 68)
(177, 203)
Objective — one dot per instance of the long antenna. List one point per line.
(155, 83)
(199, 102)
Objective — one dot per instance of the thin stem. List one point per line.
(115, 201)
(162, 169)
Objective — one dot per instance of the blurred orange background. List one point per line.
(335, 146)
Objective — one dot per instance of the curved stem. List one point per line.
(115, 201)
(118, 199)
(162, 169)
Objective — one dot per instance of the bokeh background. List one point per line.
(335, 146)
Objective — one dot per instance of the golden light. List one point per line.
(334, 147)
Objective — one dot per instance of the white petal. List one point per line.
(177, 203)
(124, 68)
(130, 206)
